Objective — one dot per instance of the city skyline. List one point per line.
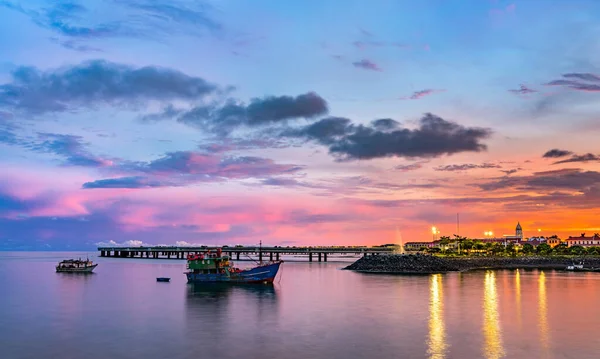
(139, 122)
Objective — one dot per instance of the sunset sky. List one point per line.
(296, 122)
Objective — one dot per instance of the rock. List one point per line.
(418, 263)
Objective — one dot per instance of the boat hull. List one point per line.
(261, 274)
(88, 269)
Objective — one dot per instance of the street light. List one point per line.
(434, 231)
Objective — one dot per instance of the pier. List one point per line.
(242, 252)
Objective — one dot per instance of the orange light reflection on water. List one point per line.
(437, 345)
(493, 348)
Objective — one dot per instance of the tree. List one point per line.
(577, 250)
(543, 248)
(527, 248)
(560, 249)
(479, 246)
(434, 250)
(594, 251)
(467, 244)
(497, 248)
(444, 240)
(510, 249)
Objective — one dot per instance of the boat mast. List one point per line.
(260, 252)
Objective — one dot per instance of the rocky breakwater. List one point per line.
(425, 264)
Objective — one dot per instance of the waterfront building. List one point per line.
(553, 241)
(584, 241)
(417, 246)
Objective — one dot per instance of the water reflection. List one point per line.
(492, 332)
(222, 314)
(518, 296)
(437, 336)
(543, 312)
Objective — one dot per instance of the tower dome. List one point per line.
(519, 231)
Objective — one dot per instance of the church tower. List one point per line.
(519, 231)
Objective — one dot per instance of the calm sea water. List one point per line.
(315, 311)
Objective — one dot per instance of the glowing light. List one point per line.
(434, 230)
(437, 334)
(539, 229)
(493, 348)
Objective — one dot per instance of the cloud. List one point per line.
(187, 167)
(129, 243)
(523, 90)
(125, 182)
(270, 110)
(434, 137)
(385, 124)
(140, 19)
(366, 65)
(409, 167)
(465, 167)
(420, 94)
(588, 157)
(95, 83)
(572, 179)
(511, 171)
(583, 76)
(556, 153)
(70, 147)
(578, 81)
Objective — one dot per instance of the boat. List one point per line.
(213, 266)
(76, 266)
(163, 279)
(579, 268)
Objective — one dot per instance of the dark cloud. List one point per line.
(578, 81)
(434, 137)
(96, 83)
(588, 157)
(260, 111)
(385, 124)
(465, 167)
(325, 131)
(523, 90)
(125, 182)
(72, 148)
(571, 179)
(556, 153)
(366, 65)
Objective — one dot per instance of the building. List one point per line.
(417, 246)
(553, 241)
(519, 231)
(584, 241)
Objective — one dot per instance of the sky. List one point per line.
(130, 122)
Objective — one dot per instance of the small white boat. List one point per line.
(575, 267)
(76, 266)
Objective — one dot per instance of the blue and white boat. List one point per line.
(213, 267)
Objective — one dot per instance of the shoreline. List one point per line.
(416, 264)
